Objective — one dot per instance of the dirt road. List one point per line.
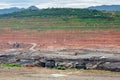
(33, 46)
(52, 74)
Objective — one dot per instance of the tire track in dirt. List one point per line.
(33, 46)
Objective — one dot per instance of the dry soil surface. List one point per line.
(31, 73)
(61, 39)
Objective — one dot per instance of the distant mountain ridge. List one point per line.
(101, 8)
(106, 7)
(10, 10)
(15, 9)
(33, 8)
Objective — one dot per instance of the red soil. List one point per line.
(57, 39)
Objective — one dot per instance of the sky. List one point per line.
(56, 3)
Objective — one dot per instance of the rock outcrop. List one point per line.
(85, 59)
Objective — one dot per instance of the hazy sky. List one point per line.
(56, 3)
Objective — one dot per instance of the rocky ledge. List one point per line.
(67, 58)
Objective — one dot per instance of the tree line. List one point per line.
(59, 12)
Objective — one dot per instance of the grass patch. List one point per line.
(10, 65)
(59, 23)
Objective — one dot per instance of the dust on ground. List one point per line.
(34, 73)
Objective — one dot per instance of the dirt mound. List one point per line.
(13, 45)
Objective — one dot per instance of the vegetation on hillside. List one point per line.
(61, 18)
(59, 12)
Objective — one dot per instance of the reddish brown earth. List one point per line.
(60, 39)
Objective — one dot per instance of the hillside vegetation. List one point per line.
(59, 12)
(61, 18)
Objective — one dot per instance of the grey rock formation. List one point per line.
(85, 59)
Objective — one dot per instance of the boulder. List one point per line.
(50, 63)
(80, 66)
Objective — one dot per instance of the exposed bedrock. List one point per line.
(74, 58)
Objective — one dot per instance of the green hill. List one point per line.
(59, 12)
(61, 18)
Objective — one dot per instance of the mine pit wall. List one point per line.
(88, 63)
(53, 59)
(92, 63)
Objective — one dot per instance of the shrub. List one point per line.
(61, 67)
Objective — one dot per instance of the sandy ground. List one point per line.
(30, 73)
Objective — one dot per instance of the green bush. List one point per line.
(61, 67)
